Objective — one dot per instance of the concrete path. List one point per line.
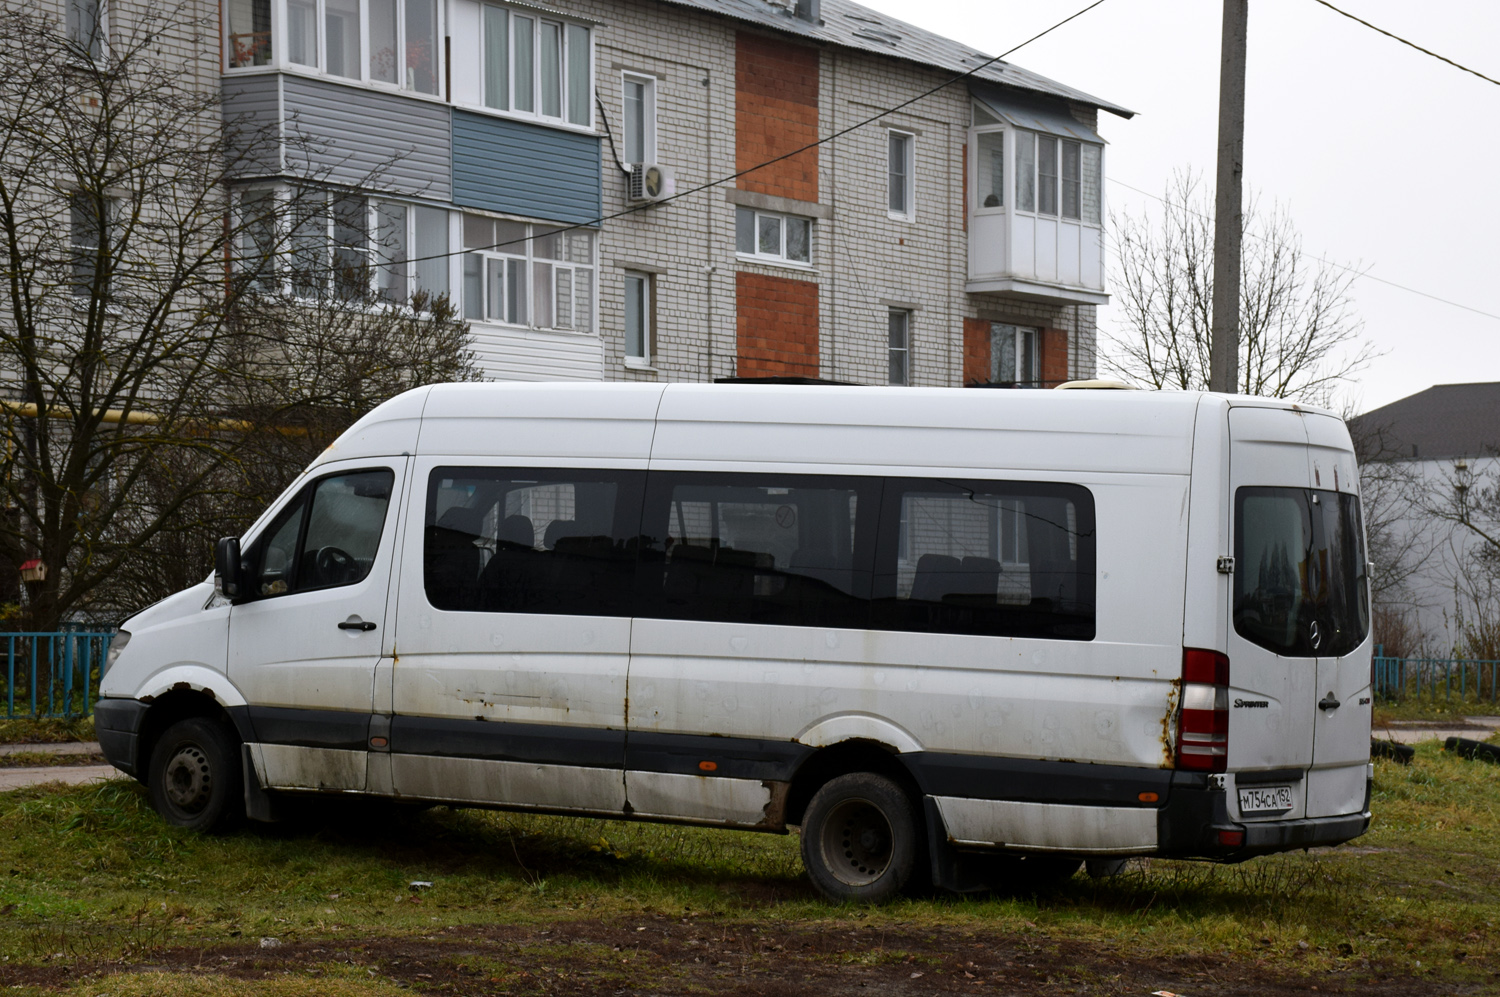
(1412, 731)
(71, 748)
(71, 775)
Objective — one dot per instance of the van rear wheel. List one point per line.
(195, 777)
(859, 838)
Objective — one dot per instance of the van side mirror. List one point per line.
(227, 567)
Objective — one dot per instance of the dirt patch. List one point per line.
(655, 955)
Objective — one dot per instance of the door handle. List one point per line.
(355, 624)
(1329, 703)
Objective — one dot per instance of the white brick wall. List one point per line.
(865, 261)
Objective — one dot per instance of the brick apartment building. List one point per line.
(956, 240)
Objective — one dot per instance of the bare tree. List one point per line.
(1299, 335)
(156, 383)
(1393, 498)
(1468, 498)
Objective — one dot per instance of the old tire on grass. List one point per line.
(195, 778)
(1394, 750)
(1475, 750)
(859, 838)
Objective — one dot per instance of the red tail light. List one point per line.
(1203, 726)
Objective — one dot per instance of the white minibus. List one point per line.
(954, 636)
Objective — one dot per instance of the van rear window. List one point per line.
(1300, 585)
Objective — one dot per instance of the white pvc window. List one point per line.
(1055, 176)
(86, 28)
(537, 66)
(900, 182)
(765, 235)
(638, 307)
(525, 274)
(1014, 357)
(393, 42)
(898, 345)
(346, 246)
(989, 172)
(639, 125)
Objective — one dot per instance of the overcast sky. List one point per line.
(1386, 158)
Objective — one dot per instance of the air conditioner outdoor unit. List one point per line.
(651, 182)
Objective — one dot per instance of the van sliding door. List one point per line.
(515, 602)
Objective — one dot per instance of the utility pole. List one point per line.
(1224, 345)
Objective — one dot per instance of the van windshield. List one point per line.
(1300, 585)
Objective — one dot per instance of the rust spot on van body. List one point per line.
(773, 814)
(1168, 747)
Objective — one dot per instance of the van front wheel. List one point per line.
(859, 838)
(195, 777)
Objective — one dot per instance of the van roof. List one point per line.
(873, 426)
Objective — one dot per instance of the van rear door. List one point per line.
(1341, 736)
(1272, 697)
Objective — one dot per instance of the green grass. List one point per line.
(91, 872)
(1439, 711)
(24, 730)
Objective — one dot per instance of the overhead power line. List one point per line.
(594, 223)
(1361, 274)
(1409, 44)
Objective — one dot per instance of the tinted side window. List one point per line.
(995, 558)
(531, 540)
(758, 548)
(333, 543)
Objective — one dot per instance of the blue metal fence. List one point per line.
(53, 674)
(1436, 680)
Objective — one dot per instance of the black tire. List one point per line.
(196, 779)
(859, 839)
(1473, 750)
(1399, 753)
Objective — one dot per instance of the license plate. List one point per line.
(1265, 799)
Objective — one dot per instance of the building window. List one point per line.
(1057, 176)
(763, 235)
(345, 246)
(989, 173)
(86, 28)
(898, 339)
(88, 223)
(900, 188)
(638, 313)
(520, 273)
(1013, 355)
(249, 35)
(640, 119)
(1026, 171)
(536, 66)
(404, 39)
(411, 246)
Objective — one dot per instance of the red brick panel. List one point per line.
(776, 111)
(976, 351)
(1054, 357)
(773, 67)
(778, 326)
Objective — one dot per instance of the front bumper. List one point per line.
(117, 724)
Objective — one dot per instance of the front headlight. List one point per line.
(116, 645)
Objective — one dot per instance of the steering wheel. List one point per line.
(335, 566)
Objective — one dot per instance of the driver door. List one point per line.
(303, 649)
